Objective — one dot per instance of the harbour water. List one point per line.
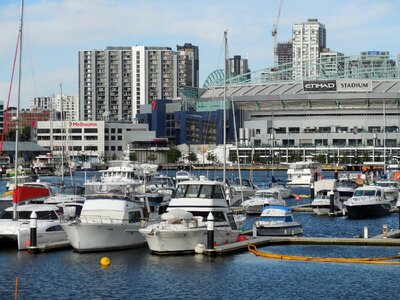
(136, 274)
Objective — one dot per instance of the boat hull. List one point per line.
(86, 237)
(286, 230)
(178, 240)
(365, 211)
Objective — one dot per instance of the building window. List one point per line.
(119, 138)
(119, 130)
(90, 130)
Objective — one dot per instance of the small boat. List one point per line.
(368, 201)
(391, 189)
(321, 205)
(346, 188)
(244, 186)
(277, 221)
(183, 175)
(302, 173)
(17, 232)
(262, 198)
(161, 184)
(281, 187)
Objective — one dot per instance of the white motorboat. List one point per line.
(110, 218)
(322, 203)
(161, 184)
(182, 175)
(185, 224)
(346, 188)
(368, 201)
(279, 186)
(47, 164)
(302, 173)
(391, 189)
(17, 232)
(277, 221)
(243, 186)
(262, 198)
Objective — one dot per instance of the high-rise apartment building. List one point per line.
(69, 105)
(113, 83)
(188, 67)
(237, 66)
(309, 39)
(284, 53)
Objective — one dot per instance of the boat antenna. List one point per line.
(15, 215)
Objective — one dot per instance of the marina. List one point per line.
(230, 265)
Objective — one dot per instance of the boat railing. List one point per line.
(101, 219)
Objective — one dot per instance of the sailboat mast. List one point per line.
(62, 136)
(15, 215)
(224, 104)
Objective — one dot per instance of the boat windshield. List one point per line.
(25, 215)
(263, 195)
(200, 191)
(364, 193)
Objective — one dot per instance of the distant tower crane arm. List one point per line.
(275, 34)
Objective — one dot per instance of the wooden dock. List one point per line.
(232, 248)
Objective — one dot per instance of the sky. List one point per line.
(55, 30)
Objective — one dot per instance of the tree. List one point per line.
(173, 155)
(192, 157)
(232, 156)
(152, 157)
(132, 156)
(114, 156)
(210, 157)
(256, 158)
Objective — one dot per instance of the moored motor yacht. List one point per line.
(391, 189)
(243, 186)
(302, 173)
(346, 188)
(277, 221)
(279, 186)
(262, 198)
(321, 205)
(368, 201)
(185, 223)
(110, 218)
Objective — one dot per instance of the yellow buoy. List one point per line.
(104, 261)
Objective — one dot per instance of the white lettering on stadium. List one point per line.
(319, 85)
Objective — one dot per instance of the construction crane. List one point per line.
(275, 35)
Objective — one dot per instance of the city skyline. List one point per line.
(55, 30)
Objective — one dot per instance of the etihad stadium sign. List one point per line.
(319, 85)
(340, 85)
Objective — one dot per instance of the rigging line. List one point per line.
(26, 41)
(9, 95)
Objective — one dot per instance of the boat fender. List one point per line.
(199, 248)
